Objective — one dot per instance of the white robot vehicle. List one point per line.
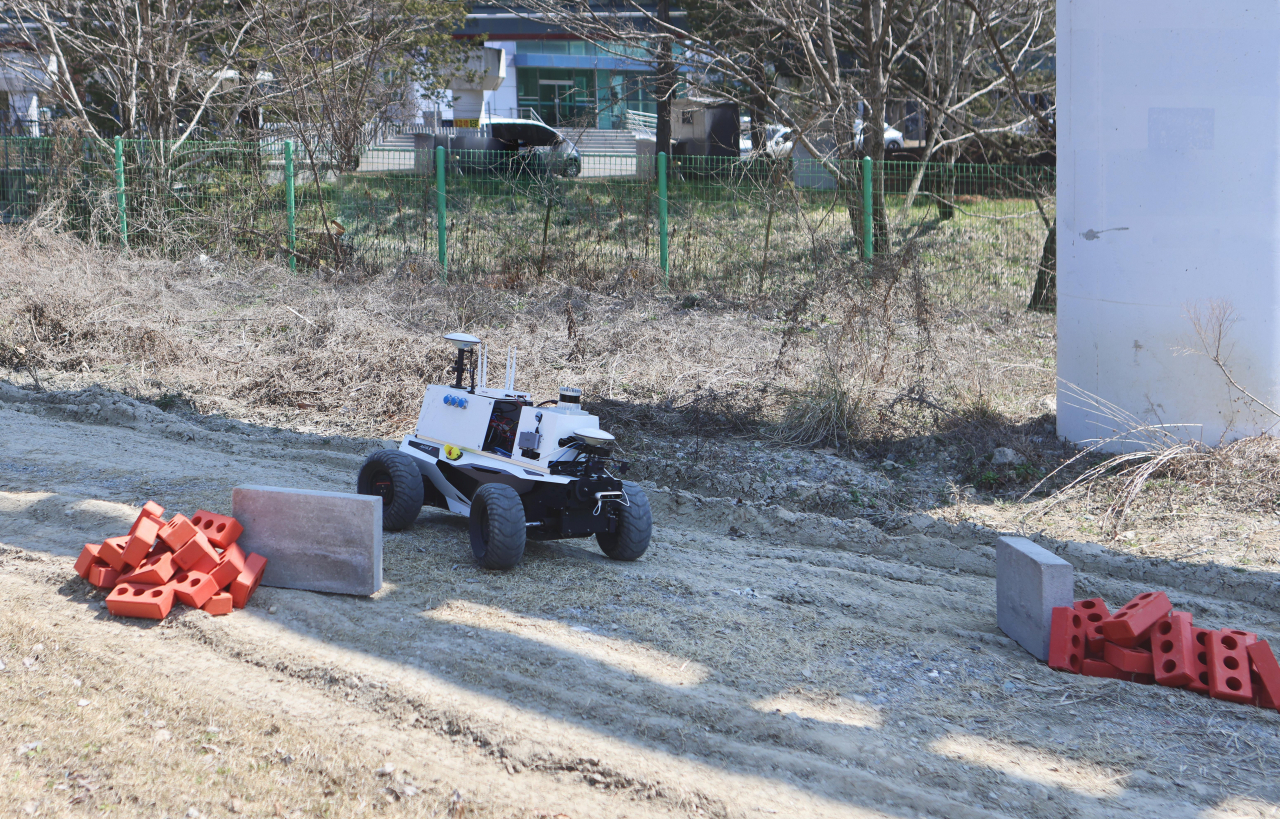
(518, 470)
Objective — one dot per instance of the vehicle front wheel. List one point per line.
(395, 477)
(635, 527)
(572, 168)
(497, 526)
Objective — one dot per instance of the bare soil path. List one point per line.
(755, 662)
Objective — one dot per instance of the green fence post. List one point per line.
(124, 220)
(290, 203)
(441, 218)
(662, 220)
(868, 217)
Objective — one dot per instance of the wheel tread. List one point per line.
(406, 487)
(635, 527)
(506, 529)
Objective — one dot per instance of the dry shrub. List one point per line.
(1241, 475)
(256, 341)
(859, 356)
(878, 347)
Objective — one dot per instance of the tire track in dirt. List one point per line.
(754, 659)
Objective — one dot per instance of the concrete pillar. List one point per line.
(1168, 209)
(25, 106)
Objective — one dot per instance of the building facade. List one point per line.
(556, 75)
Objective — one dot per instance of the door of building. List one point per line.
(556, 99)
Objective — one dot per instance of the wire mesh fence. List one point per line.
(739, 226)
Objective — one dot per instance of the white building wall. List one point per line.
(1168, 200)
(503, 102)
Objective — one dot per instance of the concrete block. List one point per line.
(1030, 581)
(318, 541)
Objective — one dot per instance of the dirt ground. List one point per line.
(757, 661)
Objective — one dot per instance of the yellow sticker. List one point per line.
(452, 452)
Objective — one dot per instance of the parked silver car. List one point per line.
(782, 144)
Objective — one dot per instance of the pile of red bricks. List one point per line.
(195, 561)
(1148, 642)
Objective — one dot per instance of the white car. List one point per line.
(783, 142)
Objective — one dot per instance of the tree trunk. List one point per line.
(666, 74)
(947, 189)
(874, 21)
(1045, 294)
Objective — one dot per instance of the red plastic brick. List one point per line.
(1199, 661)
(1247, 637)
(112, 552)
(219, 604)
(1172, 649)
(221, 530)
(150, 511)
(88, 556)
(225, 569)
(177, 532)
(1101, 668)
(102, 576)
(141, 538)
(1066, 640)
(1133, 660)
(243, 587)
(1260, 696)
(1094, 609)
(236, 555)
(225, 573)
(1229, 668)
(195, 551)
(156, 570)
(1095, 613)
(1128, 626)
(138, 600)
(1266, 671)
(193, 588)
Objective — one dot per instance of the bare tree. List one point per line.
(339, 65)
(823, 68)
(168, 70)
(156, 68)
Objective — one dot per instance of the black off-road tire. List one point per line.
(497, 526)
(635, 527)
(395, 476)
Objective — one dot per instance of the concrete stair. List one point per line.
(599, 141)
(398, 142)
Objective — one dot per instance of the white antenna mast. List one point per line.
(510, 385)
(484, 365)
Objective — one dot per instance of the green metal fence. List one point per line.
(686, 223)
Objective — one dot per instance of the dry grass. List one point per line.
(148, 745)
(1239, 475)
(258, 343)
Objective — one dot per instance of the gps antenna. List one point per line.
(463, 342)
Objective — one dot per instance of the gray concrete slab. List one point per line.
(1030, 582)
(318, 541)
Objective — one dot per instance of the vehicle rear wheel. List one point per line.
(497, 526)
(635, 527)
(395, 477)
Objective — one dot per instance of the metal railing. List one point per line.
(640, 119)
